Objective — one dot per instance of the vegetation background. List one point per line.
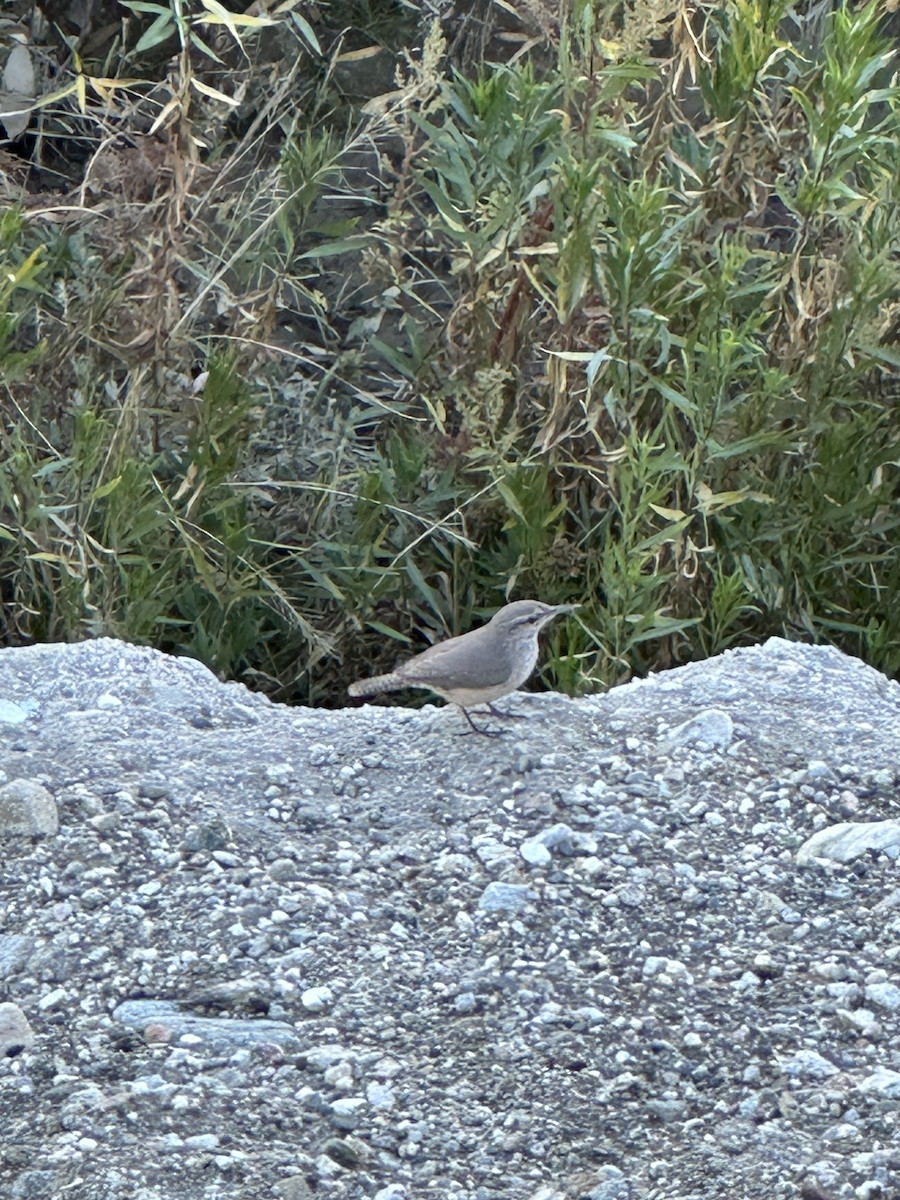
(329, 327)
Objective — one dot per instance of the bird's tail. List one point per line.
(378, 683)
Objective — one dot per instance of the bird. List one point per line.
(476, 667)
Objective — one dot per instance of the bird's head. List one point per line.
(527, 615)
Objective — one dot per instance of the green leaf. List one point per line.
(106, 489)
(387, 631)
(881, 353)
(511, 500)
(161, 29)
(198, 41)
(306, 32)
(145, 6)
(340, 246)
(426, 591)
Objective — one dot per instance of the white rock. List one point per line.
(884, 1081)
(842, 843)
(315, 999)
(666, 970)
(15, 1032)
(535, 853)
(711, 729)
(807, 1064)
(52, 999)
(885, 995)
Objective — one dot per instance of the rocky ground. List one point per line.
(249, 951)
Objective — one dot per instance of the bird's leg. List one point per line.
(475, 729)
(507, 715)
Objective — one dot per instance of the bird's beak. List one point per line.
(567, 608)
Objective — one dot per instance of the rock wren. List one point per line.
(477, 667)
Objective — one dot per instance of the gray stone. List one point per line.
(711, 729)
(500, 897)
(862, 1020)
(667, 1111)
(807, 1064)
(320, 1058)
(666, 970)
(15, 1032)
(202, 1141)
(612, 1184)
(842, 843)
(613, 820)
(884, 995)
(27, 809)
(380, 1095)
(226, 1032)
(15, 951)
(882, 1082)
(561, 839)
(346, 1111)
(285, 869)
(294, 1187)
(535, 853)
(36, 1185)
(347, 1152)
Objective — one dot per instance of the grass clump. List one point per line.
(102, 536)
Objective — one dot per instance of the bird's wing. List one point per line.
(450, 666)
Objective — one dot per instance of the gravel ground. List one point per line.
(250, 951)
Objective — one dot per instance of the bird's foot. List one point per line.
(507, 716)
(476, 729)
